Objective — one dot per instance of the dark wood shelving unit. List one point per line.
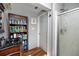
(18, 29)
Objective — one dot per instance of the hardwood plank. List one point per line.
(9, 51)
(34, 52)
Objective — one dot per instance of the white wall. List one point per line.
(68, 6)
(47, 5)
(59, 6)
(32, 29)
(23, 9)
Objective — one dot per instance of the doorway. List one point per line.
(43, 31)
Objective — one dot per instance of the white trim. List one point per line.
(68, 11)
(38, 30)
(54, 33)
(43, 14)
(55, 19)
(49, 36)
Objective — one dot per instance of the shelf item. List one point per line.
(18, 29)
(21, 36)
(24, 45)
(17, 21)
(0, 22)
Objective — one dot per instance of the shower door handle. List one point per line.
(62, 31)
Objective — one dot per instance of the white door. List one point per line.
(43, 31)
(69, 34)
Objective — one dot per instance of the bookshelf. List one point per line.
(18, 30)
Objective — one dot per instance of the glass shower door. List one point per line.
(69, 34)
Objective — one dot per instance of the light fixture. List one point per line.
(35, 7)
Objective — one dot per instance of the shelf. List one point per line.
(18, 32)
(17, 25)
(18, 38)
(24, 39)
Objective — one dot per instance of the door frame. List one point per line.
(38, 32)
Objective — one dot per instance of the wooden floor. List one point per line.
(34, 52)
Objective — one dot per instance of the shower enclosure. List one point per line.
(68, 33)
